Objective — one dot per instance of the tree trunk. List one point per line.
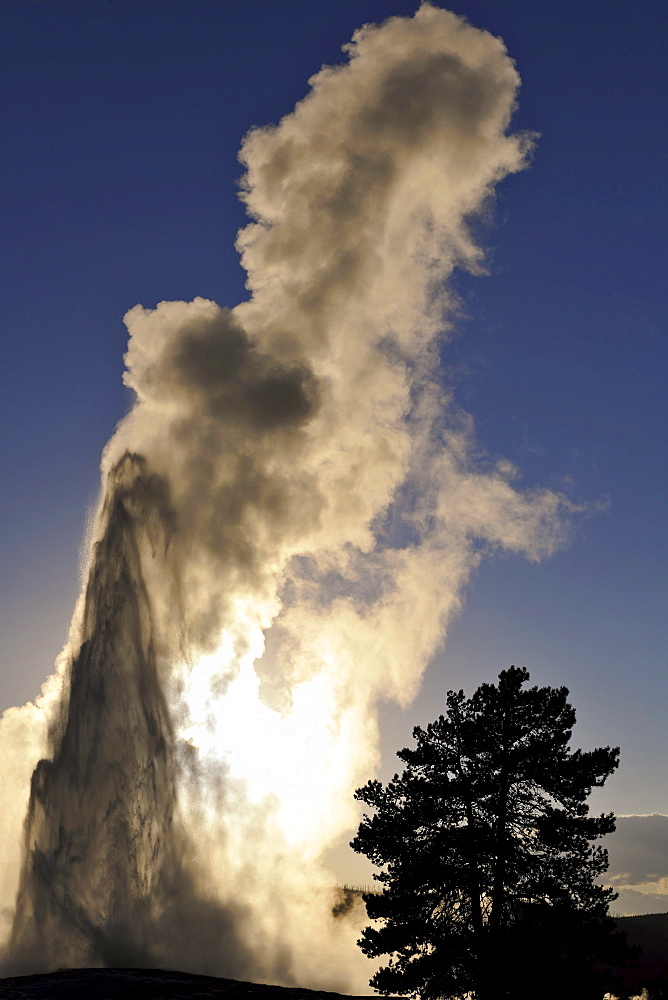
(495, 952)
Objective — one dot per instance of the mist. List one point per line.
(289, 516)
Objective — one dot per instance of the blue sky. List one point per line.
(121, 130)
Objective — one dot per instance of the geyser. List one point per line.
(289, 514)
(99, 821)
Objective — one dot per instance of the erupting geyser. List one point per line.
(100, 816)
(289, 514)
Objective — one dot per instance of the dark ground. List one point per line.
(147, 984)
(651, 932)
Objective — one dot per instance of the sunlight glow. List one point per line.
(288, 762)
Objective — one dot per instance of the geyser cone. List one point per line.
(98, 828)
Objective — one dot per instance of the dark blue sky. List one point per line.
(121, 124)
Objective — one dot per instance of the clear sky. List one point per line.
(121, 128)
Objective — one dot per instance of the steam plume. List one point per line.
(289, 514)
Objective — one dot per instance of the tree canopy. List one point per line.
(488, 871)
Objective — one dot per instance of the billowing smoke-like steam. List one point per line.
(289, 514)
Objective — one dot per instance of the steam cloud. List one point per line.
(289, 514)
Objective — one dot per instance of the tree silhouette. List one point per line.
(489, 877)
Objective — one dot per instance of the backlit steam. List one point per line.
(289, 514)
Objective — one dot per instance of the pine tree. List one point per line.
(488, 872)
